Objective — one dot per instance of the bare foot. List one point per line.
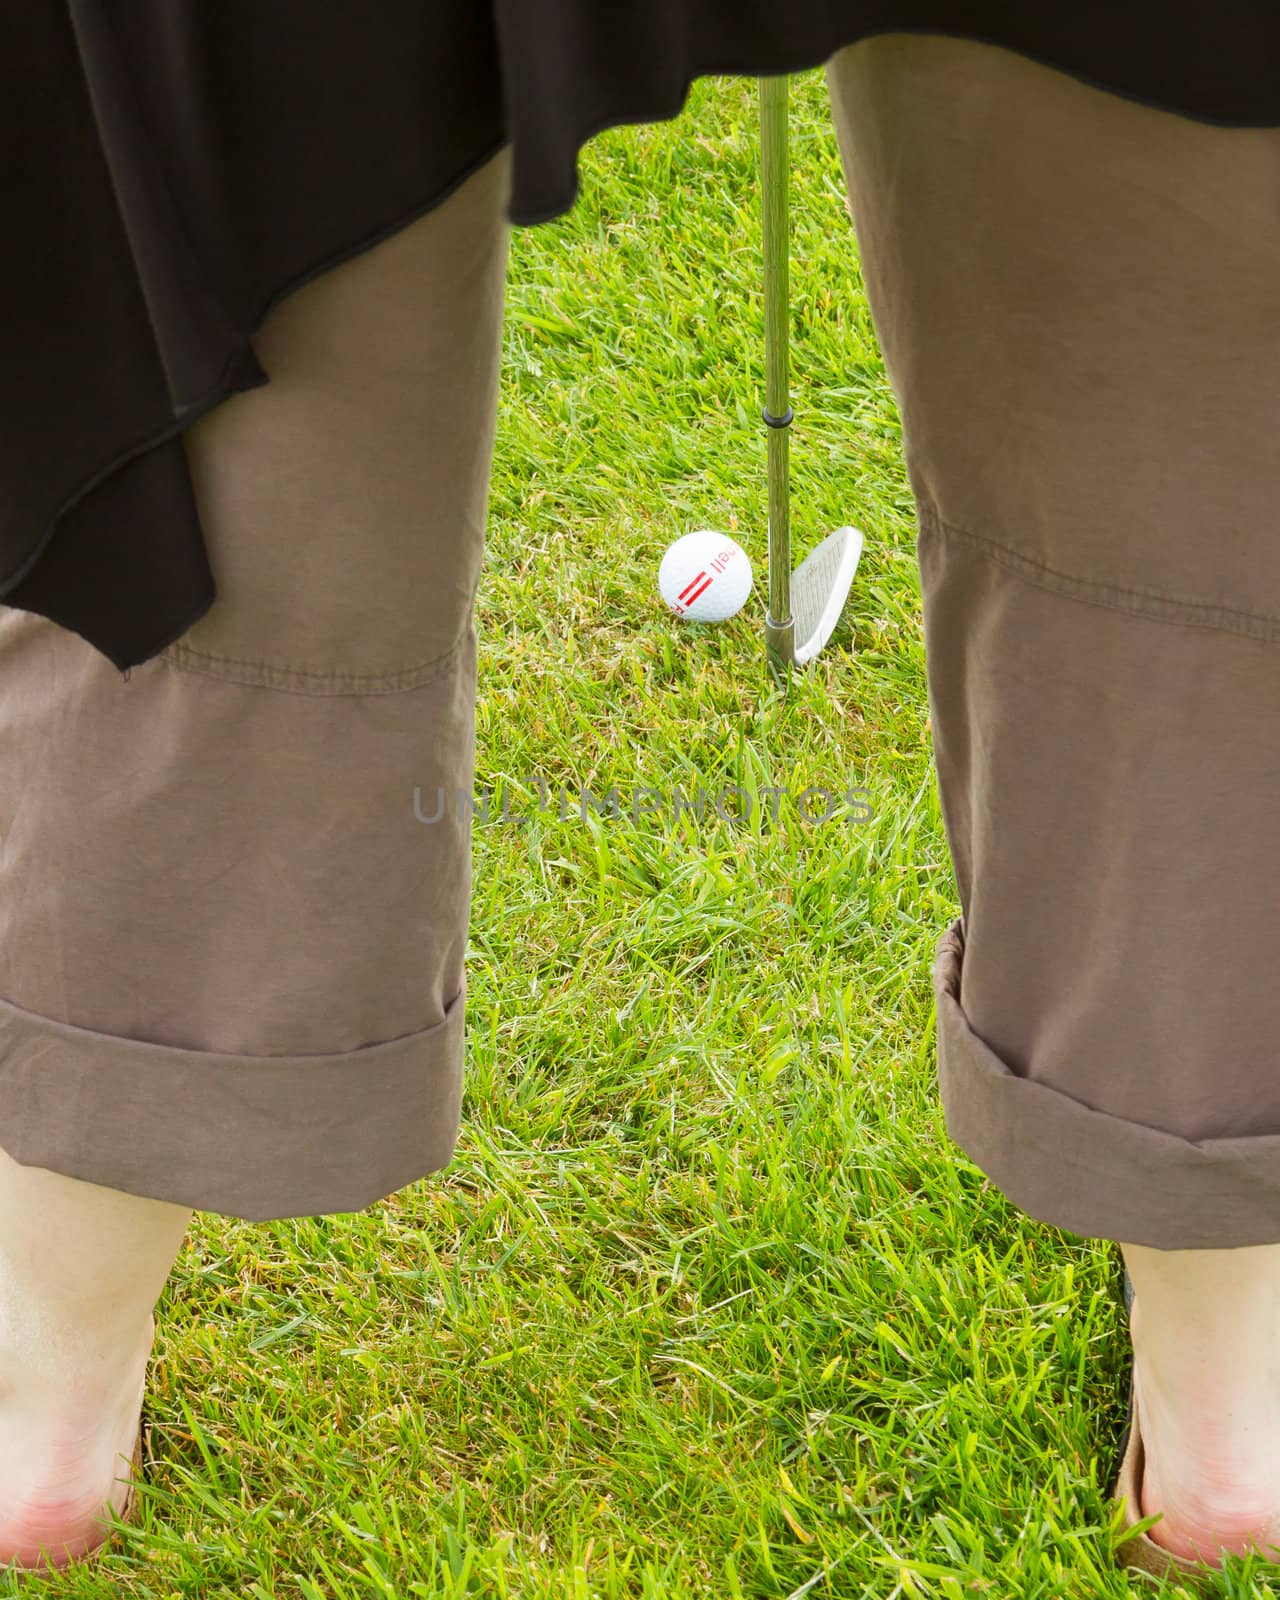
(63, 1458)
(1211, 1468)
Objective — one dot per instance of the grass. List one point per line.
(707, 1303)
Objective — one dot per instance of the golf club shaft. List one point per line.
(774, 108)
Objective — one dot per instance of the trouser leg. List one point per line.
(1077, 299)
(231, 944)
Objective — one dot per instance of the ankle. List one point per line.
(1211, 1470)
(86, 1378)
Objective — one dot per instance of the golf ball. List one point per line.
(705, 577)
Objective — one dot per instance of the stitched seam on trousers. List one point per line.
(1137, 602)
(302, 680)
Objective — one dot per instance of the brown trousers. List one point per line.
(231, 955)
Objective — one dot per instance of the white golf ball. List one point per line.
(705, 577)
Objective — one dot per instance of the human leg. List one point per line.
(1207, 1371)
(231, 951)
(81, 1270)
(1075, 296)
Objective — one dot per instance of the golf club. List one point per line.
(804, 606)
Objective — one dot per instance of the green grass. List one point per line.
(707, 1303)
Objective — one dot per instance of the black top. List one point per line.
(171, 169)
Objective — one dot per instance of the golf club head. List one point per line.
(819, 588)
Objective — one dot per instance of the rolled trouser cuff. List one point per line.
(311, 1133)
(1082, 1169)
